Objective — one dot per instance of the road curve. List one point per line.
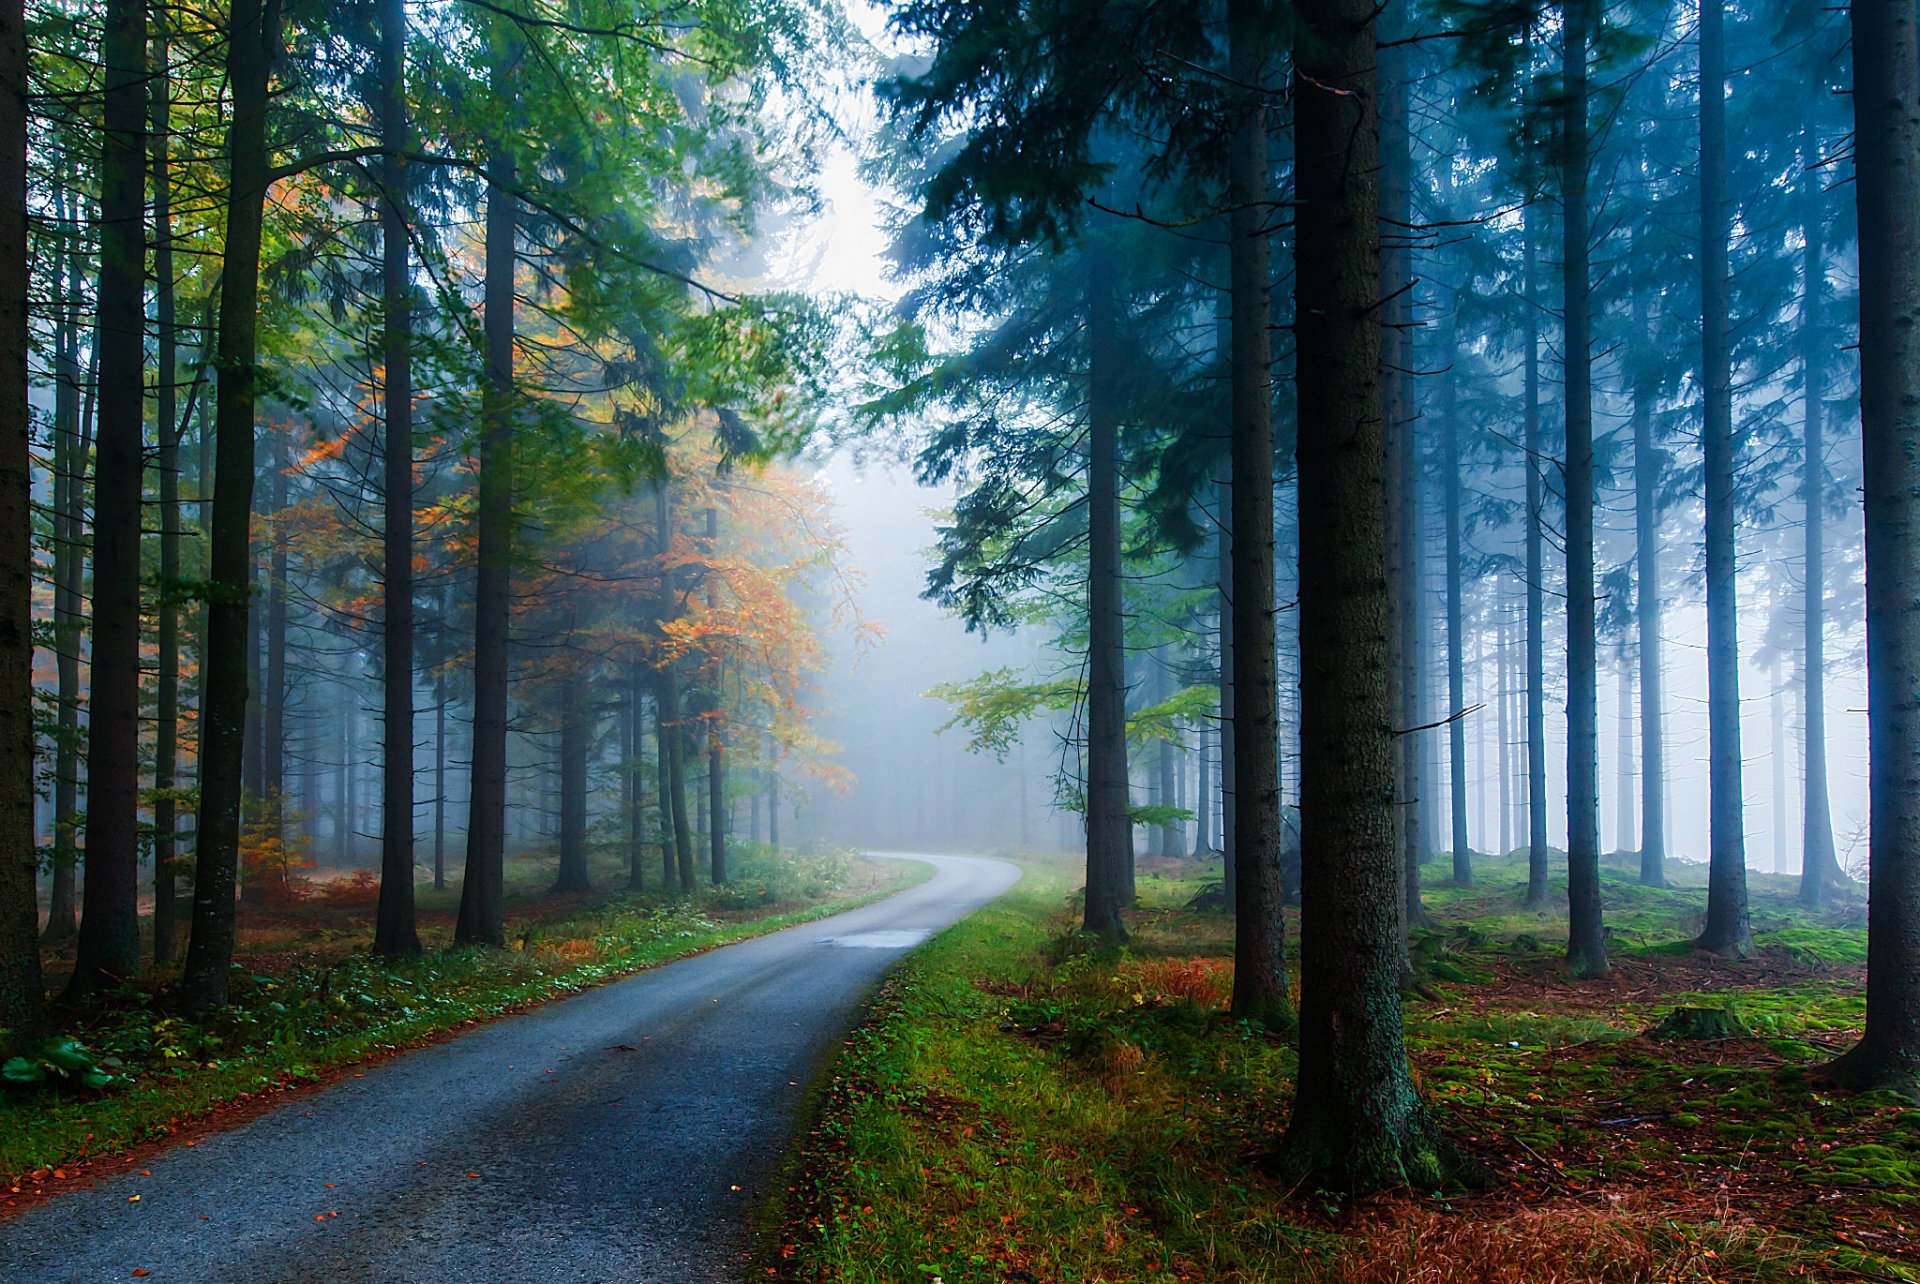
(626, 1133)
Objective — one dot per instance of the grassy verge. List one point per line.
(308, 1000)
(1020, 1109)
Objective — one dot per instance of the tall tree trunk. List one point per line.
(1109, 829)
(69, 570)
(1819, 865)
(168, 429)
(1886, 69)
(1202, 796)
(254, 33)
(1229, 837)
(1259, 937)
(1503, 679)
(440, 787)
(1648, 463)
(483, 889)
(108, 953)
(635, 780)
(1456, 611)
(1358, 1122)
(716, 761)
(273, 695)
(575, 740)
(21, 996)
(673, 736)
(394, 931)
(1536, 719)
(1402, 477)
(1623, 751)
(1726, 930)
(1586, 942)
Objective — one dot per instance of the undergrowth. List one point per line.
(1025, 1107)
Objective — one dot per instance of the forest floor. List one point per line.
(310, 1003)
(1020, 1109)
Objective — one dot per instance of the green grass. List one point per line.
(321, 1006)
(1023, 1106)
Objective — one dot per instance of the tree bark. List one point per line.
(575, 737)
(1648, 463)
(1259, 939)
(716, 750)
(1536, 718)
(69, 570)
(1726, 930)
(673, 736)
(395, 932)
(22, 1000)
(1229, 856)
(1886, 98)
(635, 780)
(108, 952)
(168, 430)
(1109, 828)
(1819, 864)
(1402, 478)
(1586, 942)
(483, 888)
(253, 35)
(1358, 1122)
(1456, 613)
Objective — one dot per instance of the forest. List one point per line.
(1435, 485)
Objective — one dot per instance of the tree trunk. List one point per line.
(440, 788)
(1109, 828)
(1886, 69)
(1229, 856)
(1648, 463)
(1726, 930)
(673, 736)
(273, 695)
(168, 430)
(1401, 479)
(1259, 938)
(69, 571)
(575, 739)
(635, 780)
(1536, 719)
(1358, 1122)
(1623, 751)
(254, 33)
(395, 932)
(1202, 798)
(108, 953)
(716, 761)
(1819, 865)
(1586, 942)
(1456, 627)
(1503, 687)
(483, 888)
(21, 996)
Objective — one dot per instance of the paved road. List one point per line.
(623, 1134)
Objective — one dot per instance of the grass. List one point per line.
(1022, 1108)
(308, 999)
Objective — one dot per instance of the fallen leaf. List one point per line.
(140, 1272)
(134, 1199)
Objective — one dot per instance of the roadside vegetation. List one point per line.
(1026, 1106)
(308, 999)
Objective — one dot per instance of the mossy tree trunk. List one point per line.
(1259, 945)
(1358, 1123)
(1886, 102)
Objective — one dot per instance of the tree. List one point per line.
(1886, 71)
(1358, 1122)
(482, 890)
(1586, 942)
(1259, 955)
(108, 953)
(1726, 930)
(21, 997)
(394, 931)
(253, 36)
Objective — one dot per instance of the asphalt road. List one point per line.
(627, 1133)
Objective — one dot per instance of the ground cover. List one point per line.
(1022, 1108)
(310, 1001)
